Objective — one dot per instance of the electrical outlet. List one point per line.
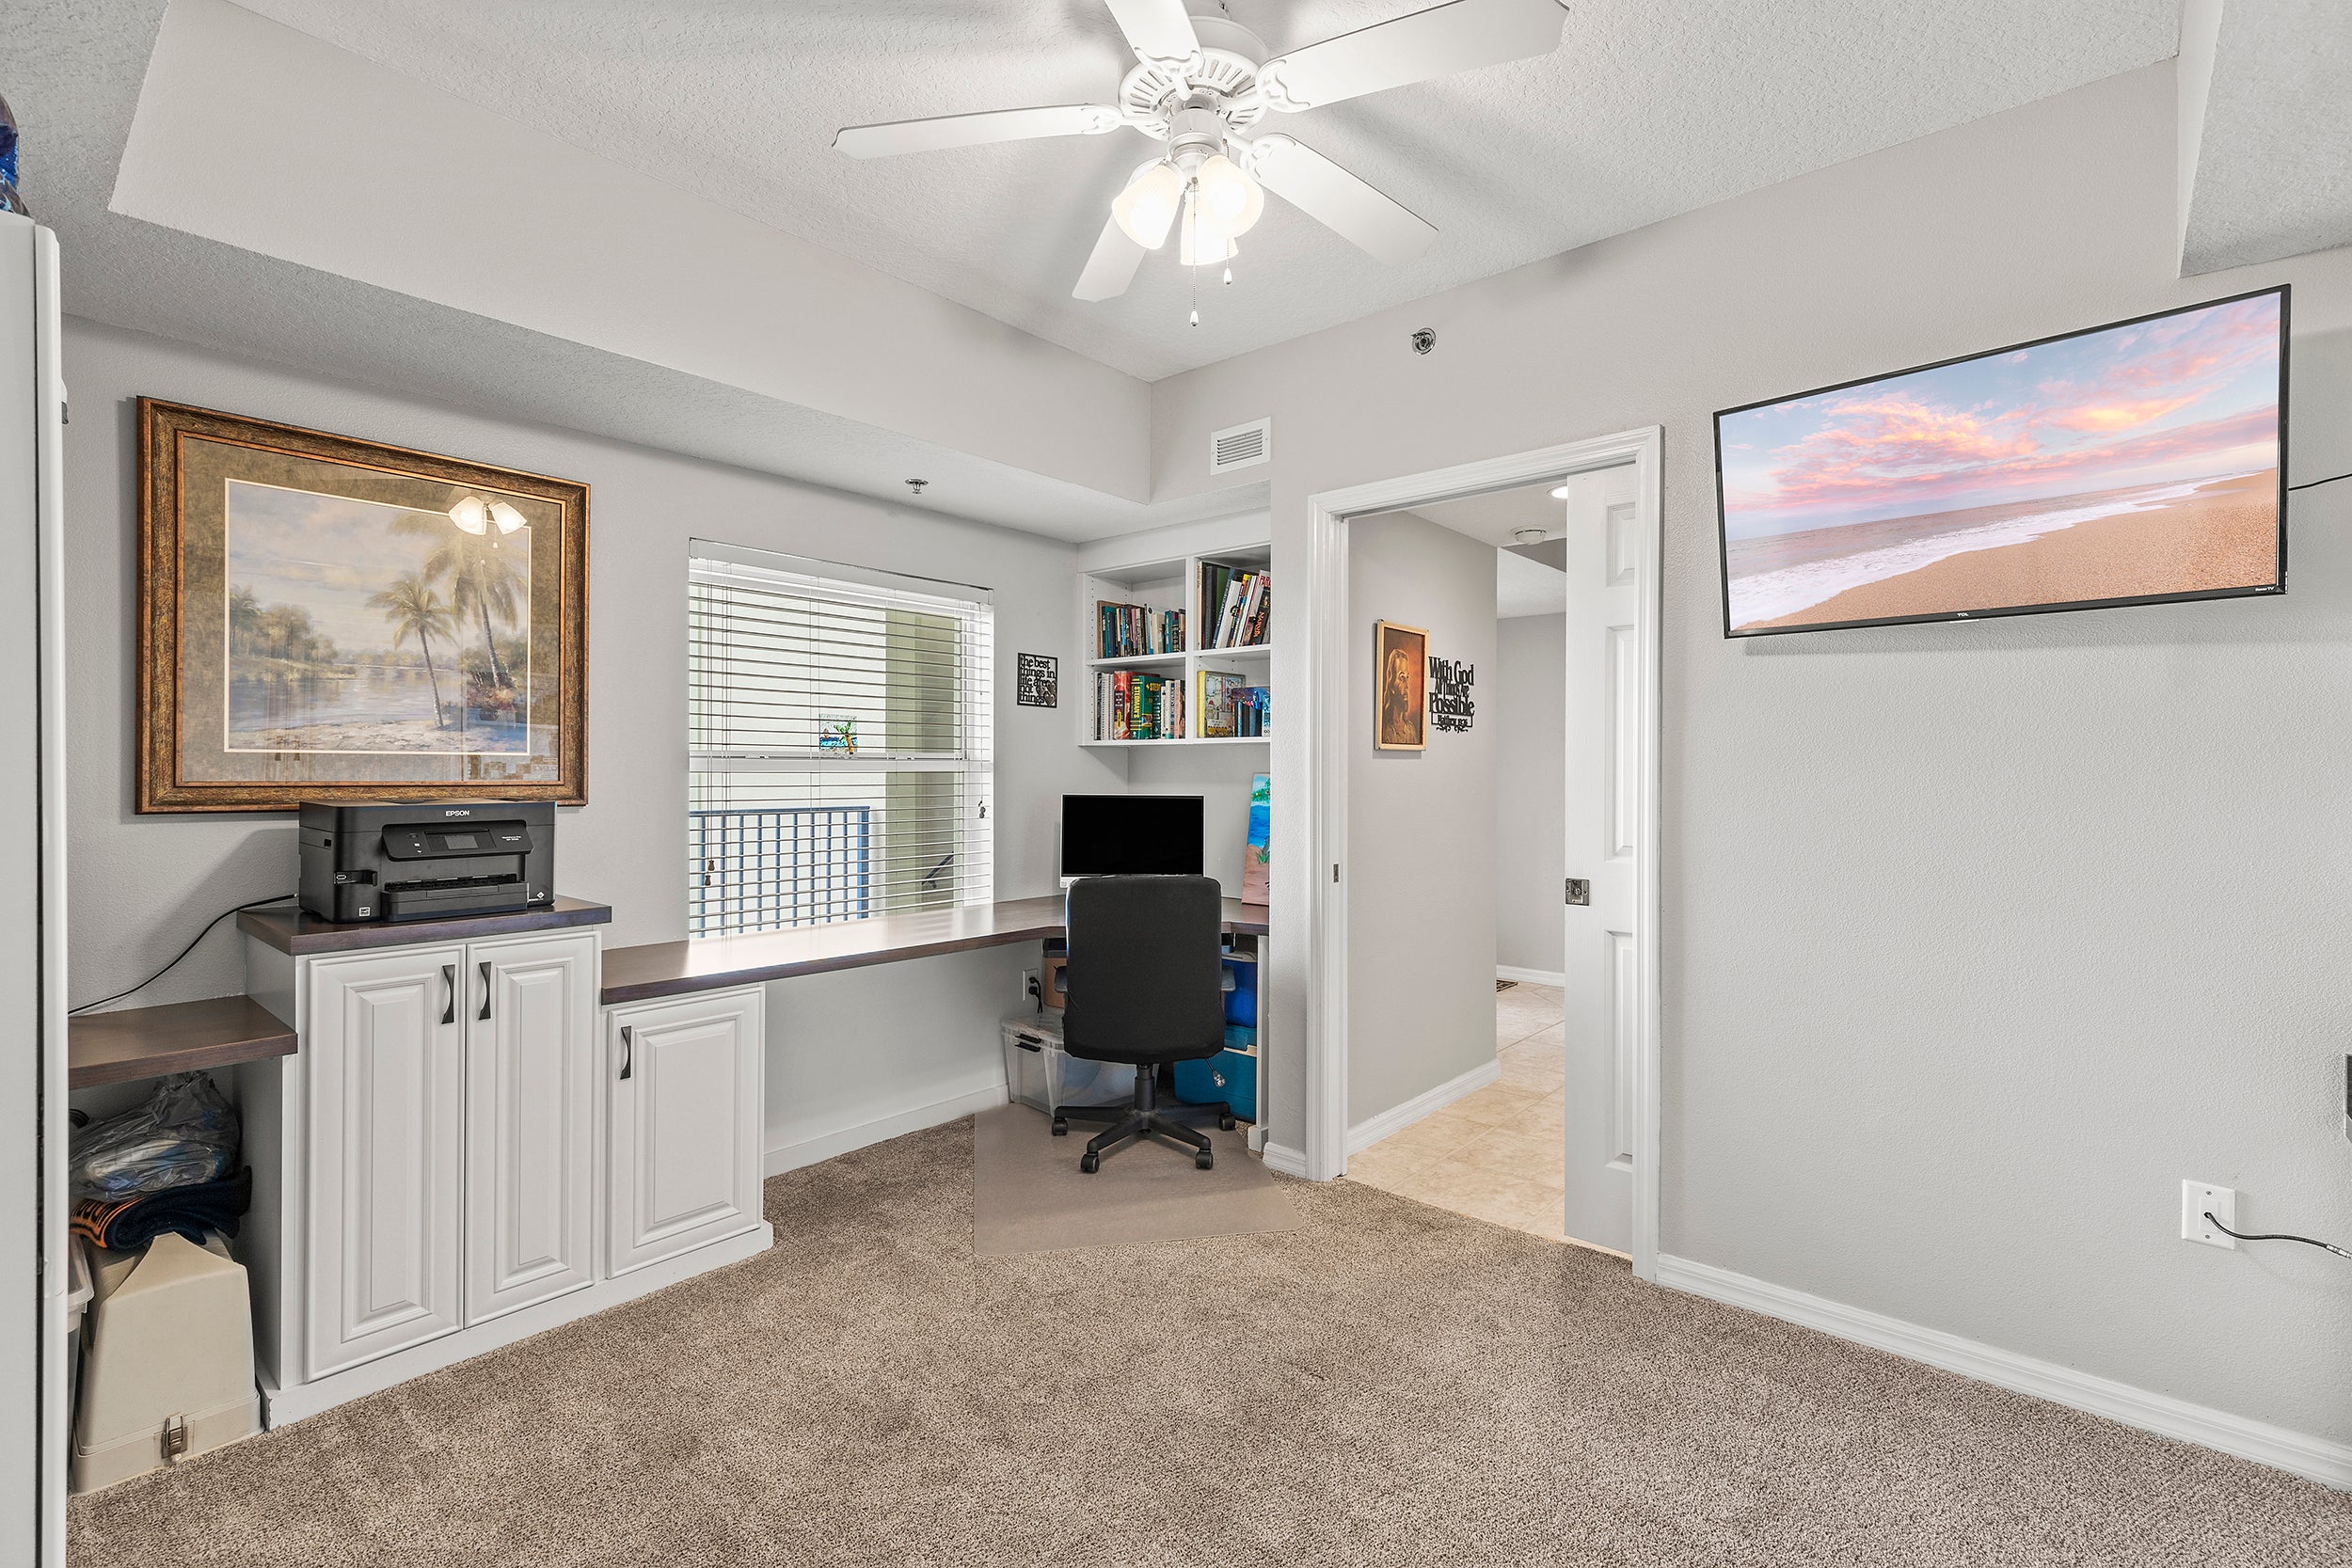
(2198, 1198)
(1028, 986)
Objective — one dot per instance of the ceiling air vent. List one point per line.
(1241, 446)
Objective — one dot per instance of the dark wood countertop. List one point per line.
(288, 929)
(713, 963)
(148, 1042)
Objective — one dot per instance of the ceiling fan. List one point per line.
(1201, 79)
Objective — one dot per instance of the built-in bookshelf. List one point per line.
(1172, 621)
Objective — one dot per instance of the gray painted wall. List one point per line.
(1978, 939)
(850, 1049)
(1528, 697)
(1421, 914)
(1221, 776)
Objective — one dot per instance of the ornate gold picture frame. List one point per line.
(1400, 688)
(321, 618)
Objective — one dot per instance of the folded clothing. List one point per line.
(194, 1211)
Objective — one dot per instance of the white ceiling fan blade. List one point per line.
(1338, 201)
(1112, 266)
(1461, 35)
(1156, 29)
(929, 135)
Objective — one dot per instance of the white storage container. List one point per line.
(169, 1369)
(1039, 1072)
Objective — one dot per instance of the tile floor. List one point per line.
(1495, 1155)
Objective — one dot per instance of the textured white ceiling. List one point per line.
(72, 72)
(2273, 176)
(1646, 111)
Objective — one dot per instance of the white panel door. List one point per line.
(684, 1119)
(383, 1055)
(530, 1121)
(1605, 551)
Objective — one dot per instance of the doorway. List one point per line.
(1604, 537)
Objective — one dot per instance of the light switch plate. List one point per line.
(2197, 1199)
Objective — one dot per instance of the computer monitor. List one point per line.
(1130, 835)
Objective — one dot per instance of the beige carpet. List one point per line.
(1389, 1384)
(1030, 1195)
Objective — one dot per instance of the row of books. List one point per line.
(1128, 629)
(1136, 705)
(1244, 605)
(1230, 705)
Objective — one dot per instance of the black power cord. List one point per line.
(273, 898)
(2306, 485)
(2307, 1241)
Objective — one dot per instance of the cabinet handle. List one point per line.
(628, 1052)
(449, 982)
(485, 991)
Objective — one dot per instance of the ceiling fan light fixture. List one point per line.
(470, 515)
(507, 518)
(1229, 198)
(1150, 203)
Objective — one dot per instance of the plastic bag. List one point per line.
(186, 1133)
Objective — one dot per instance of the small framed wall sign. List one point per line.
(1399, 657)
(1037, 679)
(321, 618)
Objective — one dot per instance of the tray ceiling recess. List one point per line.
(1199, 82)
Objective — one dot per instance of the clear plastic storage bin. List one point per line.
(1039, 1072)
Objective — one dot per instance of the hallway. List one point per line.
(1498, 1154)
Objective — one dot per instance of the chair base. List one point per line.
(1144, 1117)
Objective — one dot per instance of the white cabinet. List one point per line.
(451, 1139)
(385, 1054)
(468, 1148)
(683, 1123)
(530, 1121)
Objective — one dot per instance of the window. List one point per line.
(839, 726)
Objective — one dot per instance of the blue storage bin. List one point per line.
(1230, 1076)
(1241, 1002)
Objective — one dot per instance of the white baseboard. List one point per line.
(1397, 1117)
(1532, 977)
(2319, 1459)
(1289, 1161)
(977, 1095)
(283, 1405)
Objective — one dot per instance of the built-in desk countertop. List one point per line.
(290, 930)
(712, 963)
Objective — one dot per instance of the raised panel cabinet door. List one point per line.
(384, 1053)
(530, 1121)
(683, 1160)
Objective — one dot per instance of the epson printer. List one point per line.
(421, 860)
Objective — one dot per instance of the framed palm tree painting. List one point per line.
(323, 618)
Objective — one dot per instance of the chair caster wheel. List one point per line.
(1225, 1124)
(1089, 1163)
(1203, 1160)
(1061, 1127)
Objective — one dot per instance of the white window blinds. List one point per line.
(840, 737)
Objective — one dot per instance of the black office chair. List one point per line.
(1146, 986)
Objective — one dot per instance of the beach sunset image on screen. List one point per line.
(2127, 462)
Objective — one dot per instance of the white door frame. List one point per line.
(1327, 760)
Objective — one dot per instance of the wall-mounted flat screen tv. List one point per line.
(2142, 462)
